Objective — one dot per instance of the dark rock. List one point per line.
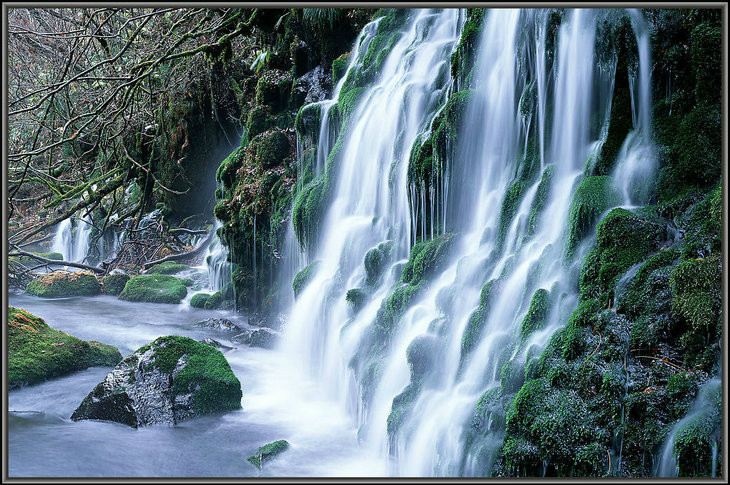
(167, 381)
(260, 337)
(218, 324)
(312, 87)
(214, 343)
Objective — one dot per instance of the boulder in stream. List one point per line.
(37, 352)
(167, 381)
(59, 284)
(258, 337)
(154, 288)
(218, 324)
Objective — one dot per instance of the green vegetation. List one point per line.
(37, 352)
(268, 451)
(154, 289)
(206, 374)
(59, 284)
(303, 277)
(168, 267)
(594, 196)
(199, 300)
(113, 284)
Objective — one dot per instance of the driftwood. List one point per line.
(179, 256)
(56, 262)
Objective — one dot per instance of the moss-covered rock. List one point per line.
(273, 89)
(537, 313)
(623, 239)
(303, 277)
(37, 352)
(376, 260)
(271, 149)
(199, 300)
(154, 288)
(59, 284)
(164, 382)
(357, 298)
(339, 67)
(268, 452)
(594, 196)
(113, 284)
(168, 267)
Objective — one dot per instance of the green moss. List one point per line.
(623, 239)
(273, 89)
(376, 260)
(214, 301)
(37, 352)
(199, 300)
(31, 262)
(464, 56)
(168, 267)
(473, 330)
(427, 258)
(702, 225)
(207, 374)
(401, 407)
(537, 313)
(258, 120)
(303, 277)
(268, 452)
(339, 67)
(308, 123)
(541, 197)
(154, 289)
(59, 284)
(594, 196)
(113, 284)
(695, 439)
(357, 298)
(271, 149)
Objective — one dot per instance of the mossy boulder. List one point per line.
(168, 267)
(273, 88)
(302, 278)
(37, 352)
(199, 300)
(59, 284)
(594, 196)
(376, 260)
(537, 313)
(623, 239)
(272, 147)
(164, 382)
(339, 67)
(154, 288)
(268, 452)
(113, 284)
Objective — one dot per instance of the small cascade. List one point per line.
(216, 262)
(637, 159)
(73, 238)
(700, 427)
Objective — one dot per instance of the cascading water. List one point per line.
(73, 238)
(514, 147)
(216, 262)
(704, 418)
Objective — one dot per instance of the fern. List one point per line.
(322, 19)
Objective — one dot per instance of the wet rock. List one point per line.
(260, 337)
(214, 343)
(164, 382)
(218, 324)
(154, 288)
(313, 86)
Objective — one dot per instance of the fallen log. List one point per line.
(56, 262)
(187, 254)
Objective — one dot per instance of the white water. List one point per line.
(73, 239)
(704, 406)
(370, 206)
(216, 262)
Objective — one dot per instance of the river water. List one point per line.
(323, 440)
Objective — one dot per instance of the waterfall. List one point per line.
(216, 262)
(506, 192)
(73, 238)
(637, 159)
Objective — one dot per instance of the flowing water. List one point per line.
(529, 119)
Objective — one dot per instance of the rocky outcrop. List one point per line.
(164, 382)
(218, 324)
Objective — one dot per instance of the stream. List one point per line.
(212, 446)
